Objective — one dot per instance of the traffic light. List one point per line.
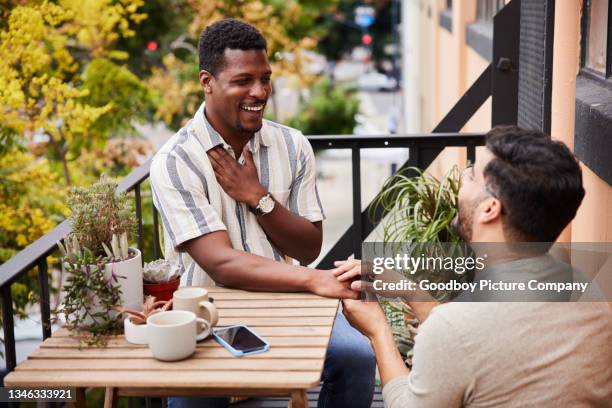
(152, 46)
(366, 39)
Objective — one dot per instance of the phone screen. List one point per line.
(240, 338)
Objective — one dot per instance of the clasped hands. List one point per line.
(241, 182)
(367, 317)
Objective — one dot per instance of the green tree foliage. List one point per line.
(129, 99)
(329, 111)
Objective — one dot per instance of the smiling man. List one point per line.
(238, 200)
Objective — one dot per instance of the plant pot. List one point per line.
(162, 291)
(135, 333)
(129, 278)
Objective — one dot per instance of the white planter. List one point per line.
(129, 277)
(135, 333)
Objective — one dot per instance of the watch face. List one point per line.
(266, 204)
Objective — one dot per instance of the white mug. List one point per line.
(172, 335)
(195, 299)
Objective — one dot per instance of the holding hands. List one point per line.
(367, 317)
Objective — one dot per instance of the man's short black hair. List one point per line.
(228, 33)
(537, 180)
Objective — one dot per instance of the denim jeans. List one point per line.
(348, 374)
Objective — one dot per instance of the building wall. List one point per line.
(449, 66)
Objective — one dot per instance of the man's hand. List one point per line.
(324, 283)
(348, 270)
(367, 317)
(240, 182)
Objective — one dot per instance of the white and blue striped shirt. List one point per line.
(192, 203)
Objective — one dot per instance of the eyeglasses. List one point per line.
(468, 172)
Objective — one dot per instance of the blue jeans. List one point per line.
(348, 374)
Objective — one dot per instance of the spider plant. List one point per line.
(419, 210)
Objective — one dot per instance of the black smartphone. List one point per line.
(240, 340)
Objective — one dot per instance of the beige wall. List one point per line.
(453, 68)
(449, 67)
(593, 222)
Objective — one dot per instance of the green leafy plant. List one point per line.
(420, 209)
(98, 213)
(100, 217)
(90, 296)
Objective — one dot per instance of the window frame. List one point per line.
(603, 77)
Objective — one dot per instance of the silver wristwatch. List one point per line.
(265, 205)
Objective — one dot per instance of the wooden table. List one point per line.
(297, 326)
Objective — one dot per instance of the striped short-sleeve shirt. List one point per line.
(191, 202)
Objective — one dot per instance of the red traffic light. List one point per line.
(366, 39)
(152, 46)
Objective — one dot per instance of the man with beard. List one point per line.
(238, 200)
(523, 188)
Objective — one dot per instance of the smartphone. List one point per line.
(240, 340)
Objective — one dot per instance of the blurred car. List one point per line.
(375, 81)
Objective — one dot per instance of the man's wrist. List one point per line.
(381, 335)
(308, 280)
(254, 200)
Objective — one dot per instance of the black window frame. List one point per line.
(603, 77)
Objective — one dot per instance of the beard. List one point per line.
(464, 220)
(248, 131)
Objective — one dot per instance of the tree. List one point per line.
(45, 49)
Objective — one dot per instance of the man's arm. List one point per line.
(292, 234)
(369, 318)
(243, 270)
(440, 372)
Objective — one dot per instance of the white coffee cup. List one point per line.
(172, 335)
(195, 299)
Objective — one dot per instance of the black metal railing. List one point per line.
(422, 149)
(496, 81)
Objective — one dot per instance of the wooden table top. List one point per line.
(297, 326)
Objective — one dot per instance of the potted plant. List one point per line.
(420, 209)
(102, 270)
(161, 278)
(135, 323)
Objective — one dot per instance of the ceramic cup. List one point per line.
(195, 299)
(172, 335)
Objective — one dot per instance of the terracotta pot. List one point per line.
(161, 291)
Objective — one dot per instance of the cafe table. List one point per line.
(297, 326)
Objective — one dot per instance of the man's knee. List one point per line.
(352, 356)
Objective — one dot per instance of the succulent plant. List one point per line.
(149, 307)
(99, 212)
(119, 248)
(160, 271)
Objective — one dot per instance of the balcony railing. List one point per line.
(422, 149)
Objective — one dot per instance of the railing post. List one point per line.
(357, 227)
(139, 217)
(8, 325)
(471, 153)
(45, 307)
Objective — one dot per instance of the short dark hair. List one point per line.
(228, 33)
(538, 181)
